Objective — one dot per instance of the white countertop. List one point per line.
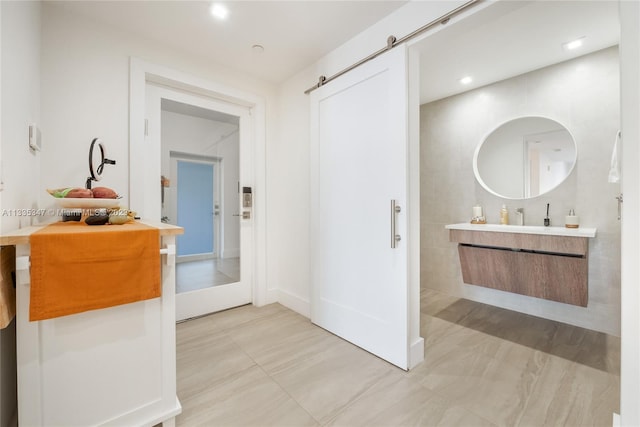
(526, 229)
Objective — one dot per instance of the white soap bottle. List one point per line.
(571, 220)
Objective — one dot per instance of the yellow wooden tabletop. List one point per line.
(21, 236)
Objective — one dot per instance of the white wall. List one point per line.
(582, 94)
(19, 167)
(85, 94)
(20, 108)
(198, 136)
(288, 195)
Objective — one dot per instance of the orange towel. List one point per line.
(76, 267)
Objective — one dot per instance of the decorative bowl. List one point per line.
(87, 203)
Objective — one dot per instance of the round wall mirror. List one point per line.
(524, 158)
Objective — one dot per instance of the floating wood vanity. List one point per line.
(543, 262)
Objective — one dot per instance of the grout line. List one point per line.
(271, 378)
(281, 387)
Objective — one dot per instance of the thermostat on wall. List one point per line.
(35, 139)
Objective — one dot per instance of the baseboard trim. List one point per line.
(271, 296)
(196, 257)
(230, 253)
(295, 303)
(416, 353)
(150, 414)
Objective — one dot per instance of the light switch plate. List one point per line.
(35, 138)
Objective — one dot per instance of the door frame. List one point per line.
(213, 298)
(630, 186)
(140, 74)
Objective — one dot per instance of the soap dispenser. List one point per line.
(504, 215)
(571, 220)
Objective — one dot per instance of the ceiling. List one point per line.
(511, 38)
(294, 34)
(504, 40)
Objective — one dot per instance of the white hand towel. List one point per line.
(614, 171)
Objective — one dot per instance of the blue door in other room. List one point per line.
(195, 208)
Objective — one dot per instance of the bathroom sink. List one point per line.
(526, 229)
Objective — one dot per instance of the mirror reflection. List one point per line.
(525, 158)
(199, 192)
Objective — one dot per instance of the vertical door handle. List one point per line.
(395, 210)
(619, 205)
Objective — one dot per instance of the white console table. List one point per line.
(114, 366)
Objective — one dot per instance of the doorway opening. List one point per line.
(456, 119)
(536, 79)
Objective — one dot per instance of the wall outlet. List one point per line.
(35, 138)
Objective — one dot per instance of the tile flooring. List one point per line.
(484, 366)
(195, 275)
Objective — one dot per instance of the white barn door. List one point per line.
(358, 167)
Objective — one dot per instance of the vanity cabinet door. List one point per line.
(555, 277)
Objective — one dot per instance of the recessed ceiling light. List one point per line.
(257, 48)
(574, 44)
(219, 11)
(466, 80)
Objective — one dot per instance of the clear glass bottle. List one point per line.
(504, 215)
